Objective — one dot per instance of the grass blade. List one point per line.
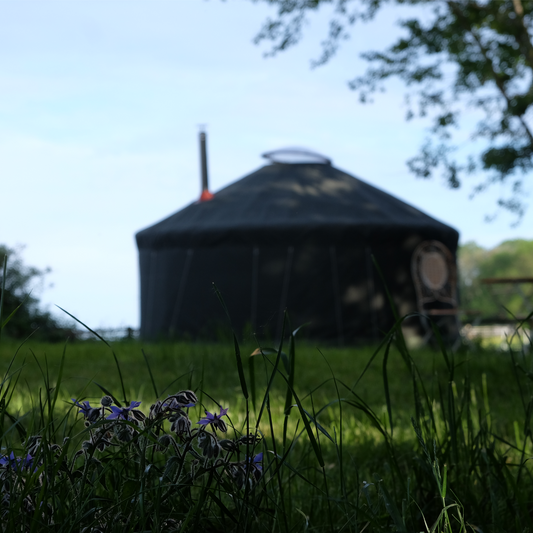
(150, 372)
(240, 369)
(107, 344)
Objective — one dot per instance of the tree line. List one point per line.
(21, 314)
(510, 259)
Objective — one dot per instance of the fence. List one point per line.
(501, 333)
(109, 334)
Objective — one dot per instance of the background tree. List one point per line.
(453, 55)
(21, 284)
(510, 259)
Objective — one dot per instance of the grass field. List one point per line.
(405, 441)
(211, 367)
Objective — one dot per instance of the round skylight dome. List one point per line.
(296, 155)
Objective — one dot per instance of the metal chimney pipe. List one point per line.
(203, 160)
(206, 195)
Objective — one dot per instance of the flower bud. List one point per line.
(182, 425)
(208, 444)
(139, 416)
(93, 415)
(87, 446)
(164, 441)
(155, 410)
(185, 397)
(220, 425)
(228, 445)
(124, 435)
(238, 475)
(106, 401)
(249, 439)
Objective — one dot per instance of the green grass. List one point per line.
(455, 457)
(211, 366)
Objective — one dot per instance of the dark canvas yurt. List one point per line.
(296, 234)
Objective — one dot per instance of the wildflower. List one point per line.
(187, 398)
(124, 435)
(172, 525)
(33, 444)
(90, 413)
(27, 462)
(256, 464)
(228, 445)
(27, 505)
(8, 461)
(238, 474)
(181, 424)
(215, 420)
(176, 402)
(164, 442)
(122, 413)
(106, 401)
(156, 410)
(209, 445)
(251, 465)
(87, 446)
(249, 439)
(102, 439)
(257, 461)
(16, 462)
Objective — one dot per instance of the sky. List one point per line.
(100, 107)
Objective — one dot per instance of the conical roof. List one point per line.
(292, 203)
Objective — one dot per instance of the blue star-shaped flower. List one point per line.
(257, 461)
(84, 407)
(122, 413)
(215, 420)
(16, 462)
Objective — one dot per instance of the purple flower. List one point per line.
(257, 466)
(27, 462)
(122, 413)
(185, 398)
(175, 405)
(15, 462)
(90, 413)
(11, 460)
(215, 420)
(257, 461)
(85, 407)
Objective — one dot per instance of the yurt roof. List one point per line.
(290, 203)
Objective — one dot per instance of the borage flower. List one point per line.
(257, 461)
(257, 465)
(84, 407)
(215, 420)
(16, 462)
(209, 445)
(90, 413)
(122, 413)
(181, 425)
(10, 460)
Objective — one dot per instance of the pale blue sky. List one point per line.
(99, 106)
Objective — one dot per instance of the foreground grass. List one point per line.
(211, 367)
(388, 439)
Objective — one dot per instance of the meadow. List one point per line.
(316, 437)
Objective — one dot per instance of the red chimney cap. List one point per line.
(206, 196)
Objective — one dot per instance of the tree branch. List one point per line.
(496, 76)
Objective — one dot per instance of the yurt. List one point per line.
(296, 234)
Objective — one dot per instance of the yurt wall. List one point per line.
(295, 236)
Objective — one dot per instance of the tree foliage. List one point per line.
(510, 259)
(452, 55)
(20, 301)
